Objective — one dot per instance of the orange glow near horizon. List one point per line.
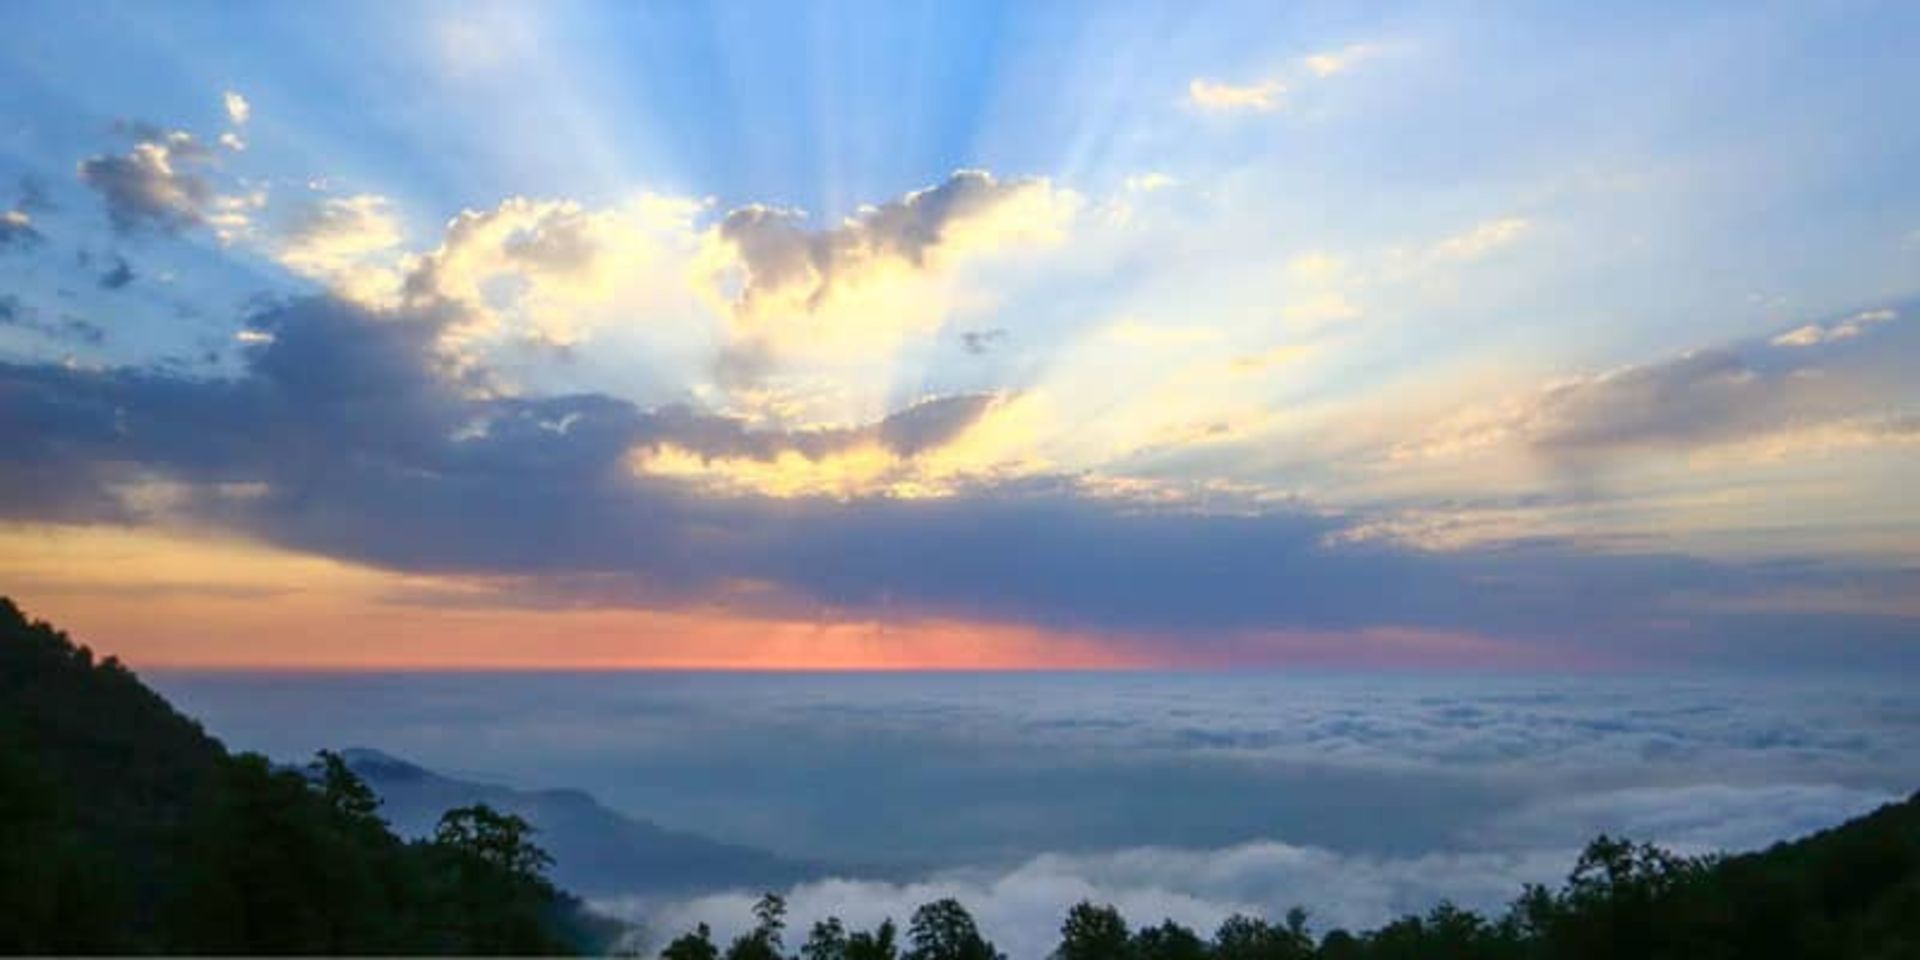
(169, 600)
(174, 601)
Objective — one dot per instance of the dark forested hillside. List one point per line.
(125, 828)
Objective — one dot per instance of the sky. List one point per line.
(1409, 336)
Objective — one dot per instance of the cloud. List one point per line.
(1329, 62)
(17, 230)
(1149, 182)
(1220, 97)
(552, 271)
(155, 184)
(366, 442)
(68, 329)
(1813, 334)
(867, 279)
(342, 241)
(920, 451)
(117, 276)
(239, 111)
(1021, 908)
(979, 342)
(1814, 388)
(1482, 239)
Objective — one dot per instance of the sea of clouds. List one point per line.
(1172, 796)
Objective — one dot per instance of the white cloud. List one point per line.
(1329, 62)
(1814, 334)
(239, 111)
(1221, 97)
(341, 241)
(1150, 181)
(1482, 239)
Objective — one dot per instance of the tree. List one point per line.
(343, 790)
(876, 945)
(697, 945)
(764, 941)
(826, 941)
(1169, 941)
(1241, 937)
(944, 930)
(1093, 933)
(504, 840)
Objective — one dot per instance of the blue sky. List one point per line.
(839, 317)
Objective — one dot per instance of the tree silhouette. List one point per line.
(503, 840)
(343, 790)
(763, 942)
(879, 944)
(944, 930)
(1169, 941)
(697, 945)
(1093, 933)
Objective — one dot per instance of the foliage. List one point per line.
(1851, 892)
(125, 828)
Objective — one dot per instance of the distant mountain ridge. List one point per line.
(597, 851)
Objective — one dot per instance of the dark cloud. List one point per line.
(355, 440)
(68, 328)
(154, 185)
(978, 342)
(1722, 395)
(118, 275)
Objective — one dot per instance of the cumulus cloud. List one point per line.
(156, 184)
(239, 111)
(341, 240)
(791, 278)
(1221, 97)
(552, 270)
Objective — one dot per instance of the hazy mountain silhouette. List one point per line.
(597, 851)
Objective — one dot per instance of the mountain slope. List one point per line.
(596, 851)
(124, 828)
